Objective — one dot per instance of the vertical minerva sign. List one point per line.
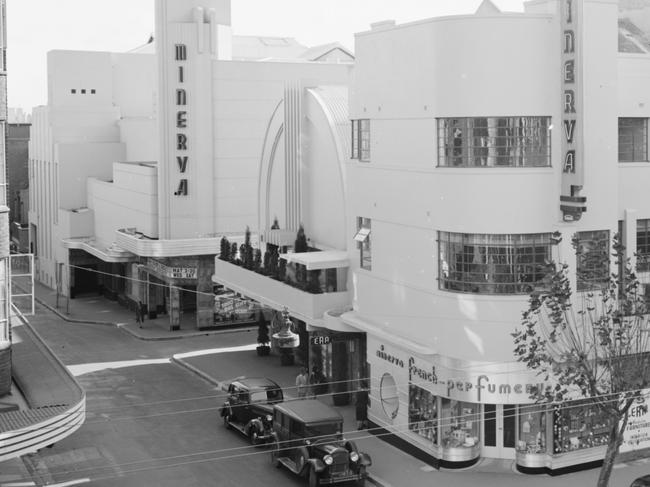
(180, 96)
(571, 203)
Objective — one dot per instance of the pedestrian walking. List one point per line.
(139, 313)
(361, 409)
(302, 383)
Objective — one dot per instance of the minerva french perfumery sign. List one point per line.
(180, 55)
(572, 203)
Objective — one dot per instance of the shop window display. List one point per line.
(578, 425)
(532, 429)
(460, 424)
(423, 413)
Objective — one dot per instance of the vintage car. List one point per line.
(249, 407)
(308, 440)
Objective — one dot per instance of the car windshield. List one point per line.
(323, 429)
(267, 395)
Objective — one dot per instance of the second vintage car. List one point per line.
(308, 440)
(249, 407)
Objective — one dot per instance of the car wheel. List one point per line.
(314, 481)
(253, 436)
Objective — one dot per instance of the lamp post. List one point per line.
(286, 339)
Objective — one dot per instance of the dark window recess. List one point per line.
(83, 92)
(92, 91)
(73, 91)
(509, 413)
(490, 426)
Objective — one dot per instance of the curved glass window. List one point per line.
(493, 264)
(494, 142)
(389, 396)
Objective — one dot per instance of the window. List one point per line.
(578, 425)
(493, 264)
(494, 141)
(92, 91)
(73, 91)
(423, 413)
(363, 242)
(592, 259)
(633, 139)
(459, 424)
(361, 140)
(83, 91)
(532, 429)
(643, 245)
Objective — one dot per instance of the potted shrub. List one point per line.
(263, 340)
(224, 254)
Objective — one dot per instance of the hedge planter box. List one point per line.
(274, 293)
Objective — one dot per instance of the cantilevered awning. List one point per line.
(326, 259)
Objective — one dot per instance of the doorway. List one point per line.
(499, 430)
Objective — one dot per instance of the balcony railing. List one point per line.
(276, 294)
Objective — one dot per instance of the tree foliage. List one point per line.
(591, 345)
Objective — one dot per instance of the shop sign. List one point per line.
(325, 339)
(172, 272)
(180, 119)
(320, 340)
(637, 432)
(494, 388)
(571, 203)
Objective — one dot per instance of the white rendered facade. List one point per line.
(141, 173)
(429, 337)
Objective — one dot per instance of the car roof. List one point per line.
(309, 411)
(257, 383)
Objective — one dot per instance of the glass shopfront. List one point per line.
(423, 413)
(532, 429)
(578, 425)
(453, 426)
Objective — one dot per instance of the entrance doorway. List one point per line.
(499, 428)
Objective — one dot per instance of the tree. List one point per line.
(257, 260)
(300, 245)
(224, 254)
(233, 253)
(594, 346)
(246, 250)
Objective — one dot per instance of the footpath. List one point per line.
(391, 467)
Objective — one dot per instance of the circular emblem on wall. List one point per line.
(388, 395)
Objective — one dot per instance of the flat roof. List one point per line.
(309, 411)
(325, 259)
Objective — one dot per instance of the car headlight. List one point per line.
(269, 418)
(354, 456)
(328, 459)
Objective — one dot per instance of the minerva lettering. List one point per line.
(180, 54)
(381, 353)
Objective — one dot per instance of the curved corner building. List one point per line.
(477, 141)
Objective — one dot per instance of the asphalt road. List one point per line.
(149, 422)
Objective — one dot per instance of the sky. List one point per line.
(35, 27)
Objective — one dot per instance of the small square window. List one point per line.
(73, 91)
(92, 92)
(83, 92)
